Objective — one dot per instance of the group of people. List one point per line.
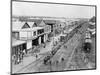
(18, 56)
(56, 62)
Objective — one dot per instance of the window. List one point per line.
(34, 33)
(41, 31)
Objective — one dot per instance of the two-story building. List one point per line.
(51, 23)
(33, 36)
(29, 33)
(47, 29)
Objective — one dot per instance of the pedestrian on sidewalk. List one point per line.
(57, 62)
(14, 58)
(44, 45)
(65, 46)
(24, 52)
(36, 56)
(50, 62)
(18, 59)
(62, 59)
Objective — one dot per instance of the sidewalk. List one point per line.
(25, 61)
(31, 58)
(47, 48)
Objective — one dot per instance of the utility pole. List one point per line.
(50, 65)
(57, 64)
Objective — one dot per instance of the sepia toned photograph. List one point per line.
(52, 37)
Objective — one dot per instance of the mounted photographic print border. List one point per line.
(51, 42)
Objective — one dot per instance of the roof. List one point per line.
(63, 23)
(42, 23)
(16, 26)
(88, 40)
(16, 42)
(26, 25)
(50, 21)
(91, 29)
(37, 22)
(34, 25)
(30, 24)
(32, 29)
(68, 30)
(62, 34)
(91, 23)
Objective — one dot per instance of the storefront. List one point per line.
(35, 42)
(18, 46)
(18, 51)
(42, 38)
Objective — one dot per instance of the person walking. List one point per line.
(18, 59)
(36, 56)
(44, 45)
(24, 52)
(57, 64)
(14, 58)
(18, 56)
(50, 62)
(62, 59)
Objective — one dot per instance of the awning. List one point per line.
(17, 42)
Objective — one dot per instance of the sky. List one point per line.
(51, 10)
